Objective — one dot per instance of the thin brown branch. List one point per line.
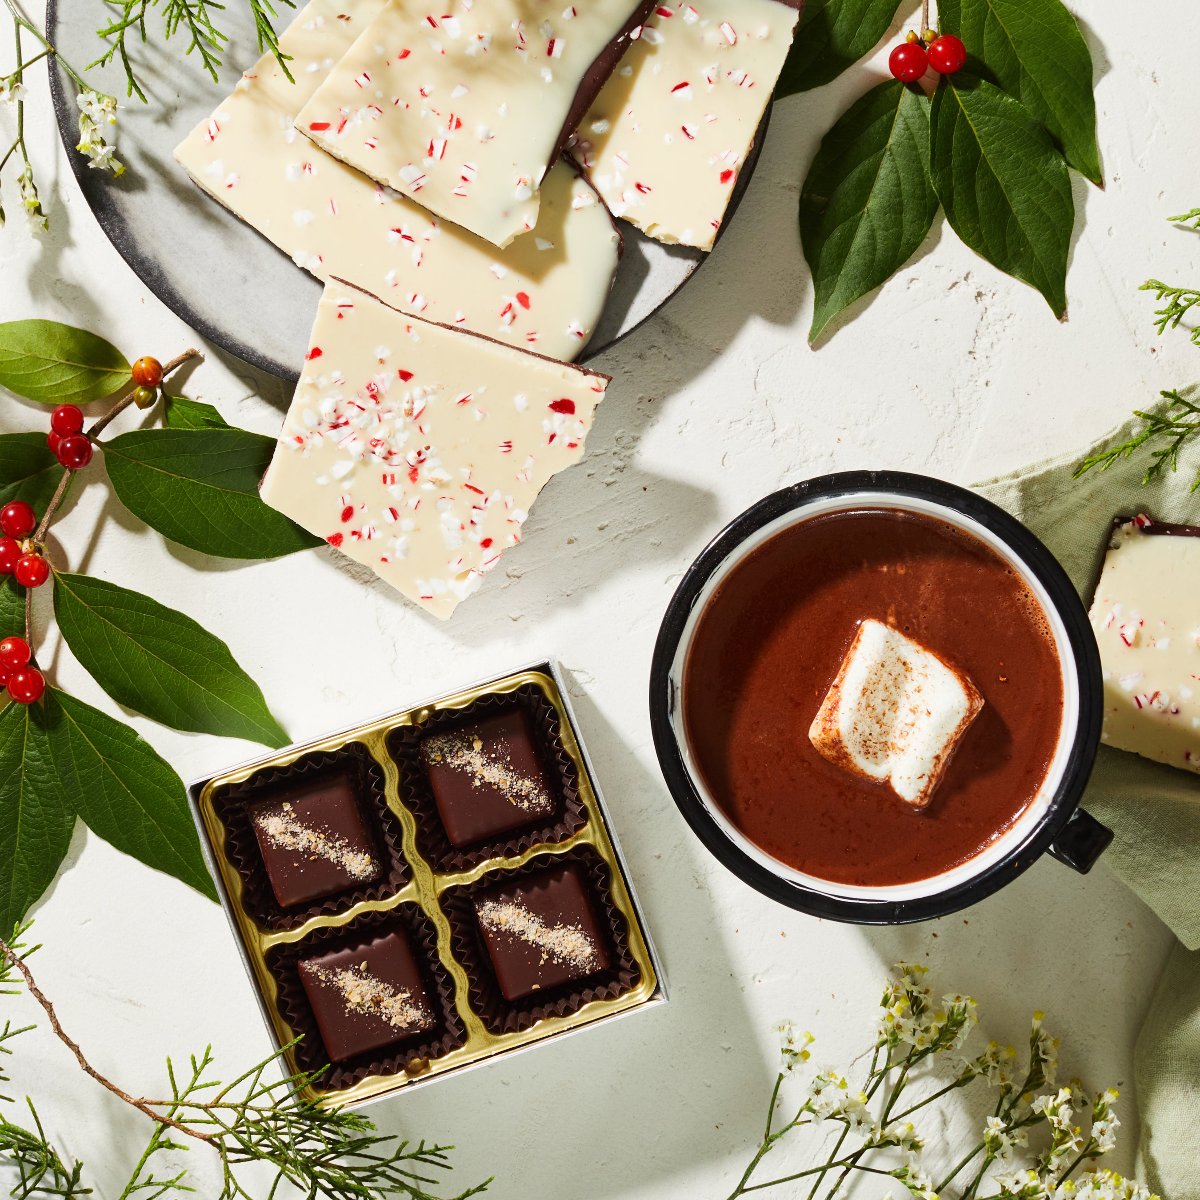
(12, 957)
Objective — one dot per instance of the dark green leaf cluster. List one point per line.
(196, 481)
(194, 22)
(992, 148)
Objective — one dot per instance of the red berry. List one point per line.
(31, 571)
(74, 452)
(947, 54)
(67, 419)
(908, 62)
(14, 653)
(17, 519)
(147, 372)
(27, 685)
(54, 440)
(10, 551)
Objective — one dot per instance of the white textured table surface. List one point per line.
(952, 369)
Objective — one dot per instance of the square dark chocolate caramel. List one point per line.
(368, 996)
(541, 933)
(487, 778)
(314, 840)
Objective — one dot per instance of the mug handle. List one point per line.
(1081, 841)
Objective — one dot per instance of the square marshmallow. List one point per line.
(895, 713)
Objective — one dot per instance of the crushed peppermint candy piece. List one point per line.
(335, 223)
(422, 467)
(664, 140)
(1146, 603)
(463, 109)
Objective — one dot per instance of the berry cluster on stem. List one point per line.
(23, 536)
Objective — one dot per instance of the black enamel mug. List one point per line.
(1053, 822)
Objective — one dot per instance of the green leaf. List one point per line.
(868, 201)
(159, 662)
(12, 611)
(124, 791)
(28, 469)
(1003, 183)
(36, 820)
(200, 488)
(831, 35)
(58, 364)
(182, 413)
(1037, 54)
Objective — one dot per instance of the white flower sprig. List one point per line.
(97, 113)
(97, 116)
(878, 1135)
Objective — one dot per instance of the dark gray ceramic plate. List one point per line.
(213, 271)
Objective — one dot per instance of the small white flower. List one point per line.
(96, 111)
(31, 200)
(11, 89)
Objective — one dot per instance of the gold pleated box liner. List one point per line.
(425, 888)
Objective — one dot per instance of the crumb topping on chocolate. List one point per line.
(285, 831)
(362, 992)
(565, 944)
(488, 766)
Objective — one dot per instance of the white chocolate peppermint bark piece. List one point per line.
(895, 713)
(463, 106)
(666, 137)
(1146, 614)
(417, 450)
(545, 291)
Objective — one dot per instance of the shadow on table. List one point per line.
(608, 1112)
(1039, 944)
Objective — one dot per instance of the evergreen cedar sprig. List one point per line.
(1171, 428)
(261, 1117)
(193, 19)
(877, 1119)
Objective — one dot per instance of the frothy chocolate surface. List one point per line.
(769, 644)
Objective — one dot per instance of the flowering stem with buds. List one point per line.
(914, 1030)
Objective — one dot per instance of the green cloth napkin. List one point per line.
(1153, 810)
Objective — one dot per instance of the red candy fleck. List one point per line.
(726, 175)
(562, 406)
(318, 126)
(315, 352)
(523, 299)
(335, 539)
(347, 513)
(404, 376)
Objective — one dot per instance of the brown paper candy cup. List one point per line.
(501, 1015)
(404, 745)
(232, 806)
(411, 1053)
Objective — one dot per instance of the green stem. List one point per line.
(849, 1162)
(930, 1099)
(873, 1083)
(962, 1164)
(23, 22)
